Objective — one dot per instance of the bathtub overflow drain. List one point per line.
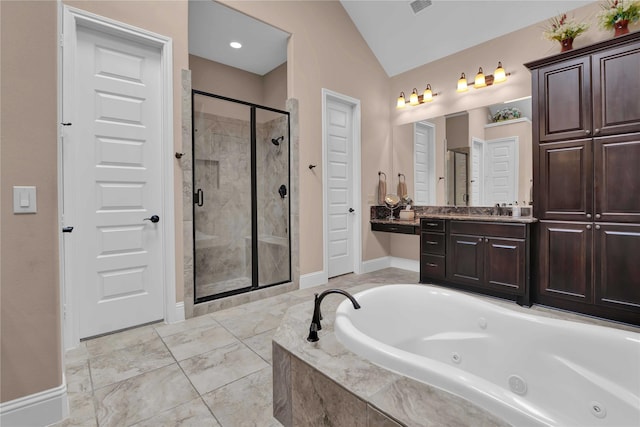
(455, 357)
(482, 322)
(518, 385)
(598, 410)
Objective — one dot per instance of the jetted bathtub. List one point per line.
(527, 369)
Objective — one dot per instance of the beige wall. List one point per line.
(30, 307)
(326, 51)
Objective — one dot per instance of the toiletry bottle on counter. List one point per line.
(515, 211)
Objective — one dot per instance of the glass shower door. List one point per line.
(222, 212)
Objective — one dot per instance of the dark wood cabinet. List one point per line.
(586, 173)
(489, 255)
(433, 249)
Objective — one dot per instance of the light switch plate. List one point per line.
(24, 199)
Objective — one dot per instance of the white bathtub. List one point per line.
(527, 369)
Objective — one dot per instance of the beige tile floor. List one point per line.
(212, 370)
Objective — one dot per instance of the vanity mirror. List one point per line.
(478, 157)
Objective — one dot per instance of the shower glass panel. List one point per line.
(272, 153)
(241, 201)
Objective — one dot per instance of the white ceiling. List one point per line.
(400, 39)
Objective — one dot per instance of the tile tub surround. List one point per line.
(398, 398)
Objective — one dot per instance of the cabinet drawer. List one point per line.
(394, 228)
(432, 243)
(476, 228)
(428, 224)
(432, 267)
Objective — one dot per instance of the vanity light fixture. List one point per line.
(462, 84)
(415, 99)
(401, 101)
(479, 80)
(498, 76)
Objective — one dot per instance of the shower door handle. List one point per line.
(199, 197)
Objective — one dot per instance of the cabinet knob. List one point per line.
(480, 239)
(588, 226)
(598, 216)
(597, 227)
(587, 131)
(596, 131)
(589, 216)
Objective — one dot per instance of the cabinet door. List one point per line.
(564, 94)
(617, 267)
(617, 178)
(505, 265)
(465, 259)
(564, 189)
(616, 84)
(564, 260)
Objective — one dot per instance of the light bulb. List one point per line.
(479, 81)
(462, 84)
(401, 101)
(413, 98)
(427, 96)
(499, 75)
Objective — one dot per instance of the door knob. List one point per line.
(351, 210)
(67, 229)
(153, 218)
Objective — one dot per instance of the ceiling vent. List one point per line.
(419, 5)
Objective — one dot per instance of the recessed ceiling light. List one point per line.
(235, 45)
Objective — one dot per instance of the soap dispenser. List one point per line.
(515, 211)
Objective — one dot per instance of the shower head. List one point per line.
(277, 141)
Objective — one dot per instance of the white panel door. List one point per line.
(115, 178)
(424, 168)
(339, 188)
(477, 175)
(501, 173)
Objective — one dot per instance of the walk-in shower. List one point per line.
(241, 212)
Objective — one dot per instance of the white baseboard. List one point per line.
(313, 279)
(39, 409)
(406, 264)
(179, 313)
(390, 261)
(376, 264)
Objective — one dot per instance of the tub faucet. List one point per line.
(317, 316)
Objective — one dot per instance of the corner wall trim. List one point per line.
(313, 279)
(39, 409)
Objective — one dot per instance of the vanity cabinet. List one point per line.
(586, 173)
(488, 255)
(432, 249)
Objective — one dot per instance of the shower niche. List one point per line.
(241, 209)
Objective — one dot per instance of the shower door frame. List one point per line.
(254, 198)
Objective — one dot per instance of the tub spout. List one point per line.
(317, 315)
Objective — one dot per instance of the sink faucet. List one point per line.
(317, 316)
(499, 209)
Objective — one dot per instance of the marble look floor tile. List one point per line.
(165, 330)
(81, 411)
(261, 344)
(143, 396)
(246, 402)
(78, 354)
(78, 378)
(191, 414)
(222, 366)
(118, 365)
(247, 326)
(108, 343)
(197, 341)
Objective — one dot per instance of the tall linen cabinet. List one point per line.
(586, 173)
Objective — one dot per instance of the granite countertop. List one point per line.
(458, 217)
(411, 402)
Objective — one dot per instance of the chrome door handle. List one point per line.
(152, 218)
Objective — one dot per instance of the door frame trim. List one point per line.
(71, 19)
(432, 152)
(356, 199)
